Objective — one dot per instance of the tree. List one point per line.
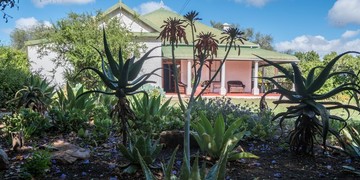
(14, 69)
(264, 40)
(74, 38)
(20, 36)
(7, 4)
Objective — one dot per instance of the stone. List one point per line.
(172, 139)
(69, 153)
(4, 160)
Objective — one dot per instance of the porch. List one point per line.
(228, 95)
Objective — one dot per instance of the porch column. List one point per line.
(255, 89)
(188, 87)
(223, 88)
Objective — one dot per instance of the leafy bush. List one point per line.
(70, 112)
(37, 165)
(309, 109)
(27, 120)
(140, 148)
(14, 69)
(256, 121)
(212, 139)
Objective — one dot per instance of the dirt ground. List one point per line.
(275, 162)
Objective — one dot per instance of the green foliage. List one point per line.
(36, 94)
(14, 70)
(257, 122)
(150, 113)
(72, 36)
(102, 129)
(217, 171)
(37, 165)
(212, 139)
(121, 78)
(27, 120)
(70, 113)
(140, 148)
(310, 109)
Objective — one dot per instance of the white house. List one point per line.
(238, 68)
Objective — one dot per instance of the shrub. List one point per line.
(37, 165)
(14, 69)
(70, 113)
(27, 120)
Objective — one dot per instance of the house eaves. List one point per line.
(183, 52)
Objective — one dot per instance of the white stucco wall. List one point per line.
(239, 70)
(127, 21)
(45, 66)
(153, 63)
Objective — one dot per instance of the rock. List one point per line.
(4, 160)
(69, 153)
(172, 139)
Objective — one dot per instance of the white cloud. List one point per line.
(350, 34)
(256, 3)
(26, 23)
(319, 44)
(345, 12)
(42, 3)
(148, 7)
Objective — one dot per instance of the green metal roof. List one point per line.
(159, 16)
(246, 54)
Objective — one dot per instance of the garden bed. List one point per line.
(275, 162)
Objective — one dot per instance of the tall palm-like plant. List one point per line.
(206, 45)
(174, 32)
(309, 109)
(122, 79)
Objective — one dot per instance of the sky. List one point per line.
(298, 25)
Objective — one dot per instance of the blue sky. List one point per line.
(299, 25)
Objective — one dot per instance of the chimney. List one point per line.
(226, 26)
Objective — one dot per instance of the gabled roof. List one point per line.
(159, 16)
(133, 13)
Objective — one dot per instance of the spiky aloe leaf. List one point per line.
(219, 130)
(279, 67)
(324, 74)
(167, 170)
(241, 155)
(106, 80)
(298, 80)
(135, 69)
(112, 63)
(310, 77)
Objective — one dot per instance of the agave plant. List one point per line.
(309, 109)
(36, 94)
(122, 79)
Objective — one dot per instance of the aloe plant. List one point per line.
(36, 94)
(140, 149)
(122, 79)
(309, 109)
(212, 139)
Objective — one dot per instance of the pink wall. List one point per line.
(239, 70)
